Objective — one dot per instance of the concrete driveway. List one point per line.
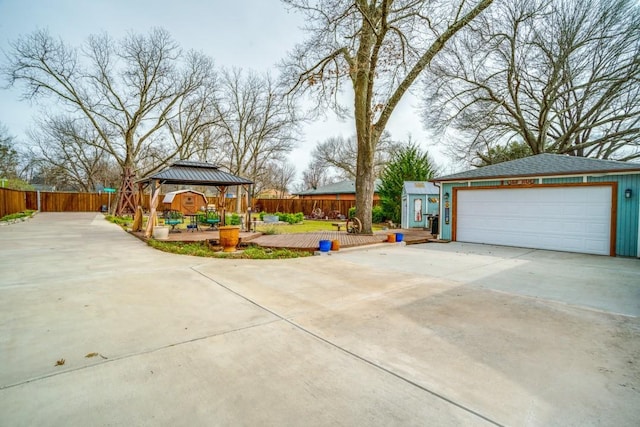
(429, 335)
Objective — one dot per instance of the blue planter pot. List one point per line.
(399, 237)
(325, 245)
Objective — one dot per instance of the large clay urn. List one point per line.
(229, 237)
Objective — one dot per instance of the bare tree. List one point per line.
(561, 76)
(9, 156)
(380, 47)
(316, 175)
(126, 90)
(71, 148)
(341, 154)
(281, 175)
(256, 126)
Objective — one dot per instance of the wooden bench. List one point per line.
(338, 225)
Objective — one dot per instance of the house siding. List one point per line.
(485, 183)
(565, 180)
(445, 229)
(628, 212)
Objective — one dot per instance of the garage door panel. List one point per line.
(575, 219)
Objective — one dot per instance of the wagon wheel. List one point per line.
(354, 225)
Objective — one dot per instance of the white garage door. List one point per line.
(573, 219)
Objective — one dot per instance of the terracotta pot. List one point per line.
(229, 237)
(391, 237)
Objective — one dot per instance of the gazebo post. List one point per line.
(248, 209)
(223, 206)
(155, 192)
(137, 219)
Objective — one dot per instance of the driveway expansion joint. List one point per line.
(352, 354)
(106, 360)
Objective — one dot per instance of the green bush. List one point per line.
(286, 217)
(377, 214)
(234, 219)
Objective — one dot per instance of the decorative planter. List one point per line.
(399, 237)
(325, 245)
(161, 233)
(229, 237)
(335, 245)
(271, 218)
(391, 237)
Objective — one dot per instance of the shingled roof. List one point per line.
(543, 165)
(195, 173)
(342, 187)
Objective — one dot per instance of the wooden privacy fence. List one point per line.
(73, 202)
(12, 201)
(306, 206)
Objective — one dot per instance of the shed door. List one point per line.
(417, 209)
(572, 219)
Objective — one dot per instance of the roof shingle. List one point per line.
(343, 187)
(543, 165)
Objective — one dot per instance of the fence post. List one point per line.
(38, 200)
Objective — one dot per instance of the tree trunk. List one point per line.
(365, 184)
(239, 199)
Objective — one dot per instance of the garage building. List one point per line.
(547, 201)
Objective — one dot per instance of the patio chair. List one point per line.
(173, 218)
(212, 218)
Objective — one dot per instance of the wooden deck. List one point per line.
(302, 241)
(310, 241)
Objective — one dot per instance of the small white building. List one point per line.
(420, 200)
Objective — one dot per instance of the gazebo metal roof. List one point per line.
(186, 172)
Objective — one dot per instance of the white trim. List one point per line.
(638, 230)
(468, 181)
(585, 178)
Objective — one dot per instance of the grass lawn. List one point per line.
(203, 250)
(306, 226)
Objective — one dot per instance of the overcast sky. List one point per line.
(251, 34)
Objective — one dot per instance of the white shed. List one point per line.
(420, 200)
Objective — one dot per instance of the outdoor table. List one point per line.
(193, 222)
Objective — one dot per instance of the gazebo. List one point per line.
(184, 172)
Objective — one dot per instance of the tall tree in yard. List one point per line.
(560, 76)
(409, 164)
(380, 47)
(341, 154)
(257, 126)
(127, 90)
(9, 157)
